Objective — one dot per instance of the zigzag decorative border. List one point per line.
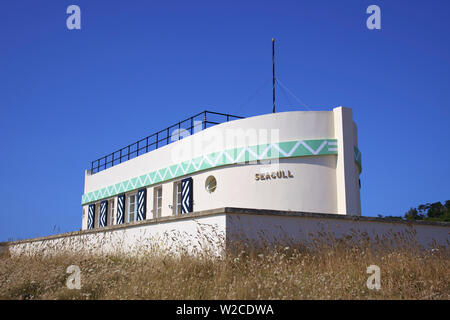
(231, 156)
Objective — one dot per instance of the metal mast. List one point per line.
(273, 75)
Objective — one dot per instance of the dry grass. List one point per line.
(322, 270)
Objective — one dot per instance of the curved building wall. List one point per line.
(313, 153)
(298, 184)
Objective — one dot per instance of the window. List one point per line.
(210, 184)
(177, 198)
(132, 207)
(157, 202)
(110, 219)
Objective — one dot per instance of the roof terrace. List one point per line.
(161, 138)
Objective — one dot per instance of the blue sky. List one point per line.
(70, 96)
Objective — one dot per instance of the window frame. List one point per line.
(111, 212)
(128, 204)
(176, 205)
(157, 202)
(210, 178)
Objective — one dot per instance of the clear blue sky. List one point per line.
(70, 96)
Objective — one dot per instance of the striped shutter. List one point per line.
(103, 213)
(142, 204)
(120, 208)
(91, 216)
(187, 195)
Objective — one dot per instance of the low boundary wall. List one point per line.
(209, 230)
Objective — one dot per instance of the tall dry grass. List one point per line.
(323, 269)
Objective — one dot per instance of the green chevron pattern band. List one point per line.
(232, 156)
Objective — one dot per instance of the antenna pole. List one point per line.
(273, 75)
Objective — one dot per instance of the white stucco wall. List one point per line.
(188, 234)
(267, 228)
(347, 174)
(213, 230)
(290, 126)
(312, 188)
(321, 183)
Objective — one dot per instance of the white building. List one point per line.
(281, 176)
(296, 161)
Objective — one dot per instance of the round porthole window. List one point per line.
(210, 184)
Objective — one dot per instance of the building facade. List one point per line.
(303, 161)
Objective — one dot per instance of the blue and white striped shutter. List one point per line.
(120, 208)
(103, 212)
(187, 195)
(142, 204)
(91, 216)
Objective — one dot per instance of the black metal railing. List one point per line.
(161, 138)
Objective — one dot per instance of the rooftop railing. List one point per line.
(161, 138)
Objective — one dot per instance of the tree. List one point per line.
(412, 214)
(430, 211)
